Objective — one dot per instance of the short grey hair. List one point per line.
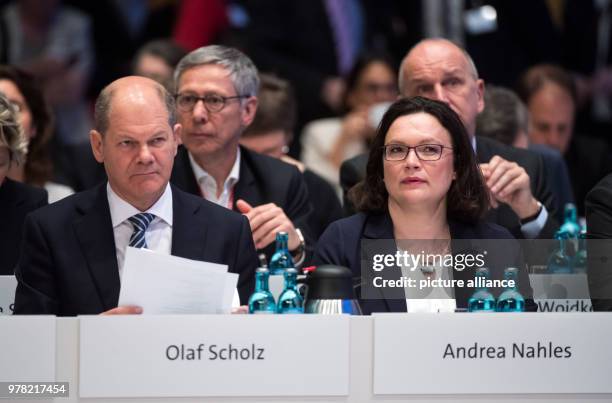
(11, 133)
(468, 58)
(103, 106)
(503, 117)
(242, 71)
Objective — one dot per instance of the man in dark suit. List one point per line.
(505, 118)
(438, 69)
(216, 100)
(599, 232)
(551, 95)
(73, 251)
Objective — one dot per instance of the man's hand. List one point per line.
(124, 310)
(508, 183)
(266, 220)
(241, 310)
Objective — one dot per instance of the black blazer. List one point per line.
(341, 245)
(353, 170)
(325, 203)
(262, 180)
(16, 201)
(598, 207)
(557, 175)
(589, 160)
(68, 264)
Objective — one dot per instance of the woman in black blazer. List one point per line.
(16, 199)
(422, 183)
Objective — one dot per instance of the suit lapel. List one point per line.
(182, 173)
(464, 242)
(379, 232)
(502, 215)
(95, 234)
(246, 188)
(484, 153)
(189, 227)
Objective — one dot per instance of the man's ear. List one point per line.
(480, 88)
(177, 132)
(95, 138)
(248, 111)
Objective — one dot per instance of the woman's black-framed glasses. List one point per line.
(212, 102)
(424, 152)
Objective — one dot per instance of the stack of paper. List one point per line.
(166, 284)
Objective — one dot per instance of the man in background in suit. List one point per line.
(551, 96)
(599, 232)
(440, 70)
(216, 96)
(505, 118)
(270, 134)
(73, 251)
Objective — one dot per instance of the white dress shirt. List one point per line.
(208, 185)
(159, 233)
(428, 300)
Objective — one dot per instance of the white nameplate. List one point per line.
(492, 353)
(561, 292)
(214, 355)
(8, 284)
(28, 348)
(559, 286)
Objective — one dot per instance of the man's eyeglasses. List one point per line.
(17, 106)
(424, 152)
(212, 102)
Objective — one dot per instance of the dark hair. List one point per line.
(166, 49)
(503, 117)
(467, 198)
(276, 107)
(38, 167)
(361, 64)
(537, 76)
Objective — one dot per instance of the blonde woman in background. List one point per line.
(16, 199)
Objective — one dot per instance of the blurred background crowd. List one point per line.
(548, 62)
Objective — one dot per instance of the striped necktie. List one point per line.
(140, 222)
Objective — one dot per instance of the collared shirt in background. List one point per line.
(208, 185)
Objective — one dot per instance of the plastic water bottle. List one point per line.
(290, 300)
(559, 262)
(570, 222)
(281, 259)
(262, 301)
(579, 262)
(482, 300)
(511, 300)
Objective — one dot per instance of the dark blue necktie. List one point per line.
(140, 222)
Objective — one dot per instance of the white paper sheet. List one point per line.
(165, 284)
(230, 298)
